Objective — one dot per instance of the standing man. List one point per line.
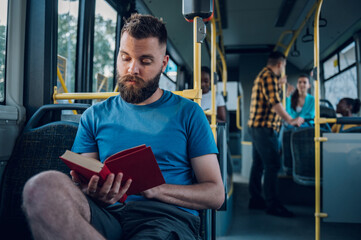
(264, 122)
(58, 207)
(206, 101)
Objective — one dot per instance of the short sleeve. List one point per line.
(85, 138)
(200, 137)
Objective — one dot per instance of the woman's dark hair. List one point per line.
(294, 97)
(355, 103)
(206, 70)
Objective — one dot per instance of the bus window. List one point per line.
(347, 56)
(104, 47)
(340, 75)
(330, 67)
(169, 78)
(3, 27)
(67, 37)
(342, 85)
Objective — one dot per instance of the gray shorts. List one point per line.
(144, 220)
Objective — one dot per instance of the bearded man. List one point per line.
(58, 207)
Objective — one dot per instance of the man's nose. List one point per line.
(133, 68)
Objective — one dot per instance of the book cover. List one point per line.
(138, 164)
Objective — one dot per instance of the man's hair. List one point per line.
(275, 57)
(206, 70)
(144, 26)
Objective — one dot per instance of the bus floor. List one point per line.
(257, 225)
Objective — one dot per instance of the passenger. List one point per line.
(206, 101)
(347, 107)
(301, 103)
(266, 112)
(179, 134)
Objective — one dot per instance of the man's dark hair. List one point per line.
(144, 26)
(206, 70)
(275, 57)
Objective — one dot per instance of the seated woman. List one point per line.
(347, 107)
(301, 103)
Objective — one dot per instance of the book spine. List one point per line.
(104, 173)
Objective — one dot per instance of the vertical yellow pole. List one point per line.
(213, 70)
(317, 124)
(196, 60)
(64, 86)
(284, 95)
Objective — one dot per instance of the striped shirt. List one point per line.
(265, 94)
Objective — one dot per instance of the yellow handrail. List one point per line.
(293, 39)
(318, 139)
(213, 71)
(189, 93)
(224, 71)
(238, 112)
(196, 60)
(64, 86)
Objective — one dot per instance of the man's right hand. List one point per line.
(297, 121)
(108, 193)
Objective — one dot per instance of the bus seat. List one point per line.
(326, 103)
(327, 112)
(352, 130)
(37, 149)
(303, 155)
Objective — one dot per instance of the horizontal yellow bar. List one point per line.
(208, 112)
(246, 143)
(321, 215)
(321, 139)
(83, 96)
(327, 120)
(189, 93)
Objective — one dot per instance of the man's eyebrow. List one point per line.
(147, 56)
(150, 56)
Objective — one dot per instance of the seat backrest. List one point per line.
(326, 103)
(37, 149)
(303, 155)
(327, 112)
(352, 130)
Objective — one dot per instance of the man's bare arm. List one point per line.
(278, 108)
(221, 114)
(207, 193)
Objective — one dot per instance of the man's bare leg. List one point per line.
(56, 208)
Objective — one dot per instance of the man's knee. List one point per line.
(37, 188)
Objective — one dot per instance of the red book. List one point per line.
(137, 163)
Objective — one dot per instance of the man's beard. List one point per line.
(140, 90)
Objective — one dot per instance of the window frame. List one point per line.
(6, 52)
(337, 53)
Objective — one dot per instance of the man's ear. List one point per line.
(165, 62)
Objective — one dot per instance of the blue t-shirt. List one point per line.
(174, 127)
(307, 111)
